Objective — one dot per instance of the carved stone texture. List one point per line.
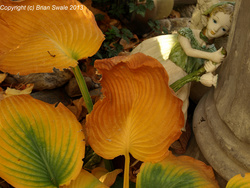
(222, 118)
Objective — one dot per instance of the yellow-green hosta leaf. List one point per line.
(176, 172)
(86, 180)
(41, 145)
(239, 181)
(36, 41)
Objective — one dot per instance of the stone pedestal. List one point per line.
(222, 118)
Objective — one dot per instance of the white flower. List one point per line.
(209, 79)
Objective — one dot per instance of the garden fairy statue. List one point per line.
(193, 57)
(195, 48)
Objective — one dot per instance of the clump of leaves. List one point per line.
(157, 28)
(111, 46)
(141, 8)
(118, 8)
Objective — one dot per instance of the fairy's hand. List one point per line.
(210, 66)
(217, 56)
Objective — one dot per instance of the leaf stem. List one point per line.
(83, 87)
(126, 171)
(194, 76)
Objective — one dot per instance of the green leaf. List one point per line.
(127, 32)
(141, 10)
(41, 145)
(116, 31)
(151, 24)
(132, 7)
(99, 17)
(150, 4)
(165, 30)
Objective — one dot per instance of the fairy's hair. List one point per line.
(226, 8)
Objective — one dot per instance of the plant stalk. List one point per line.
(126, 171)
(93, 158)
(83, 87)
(194, 76)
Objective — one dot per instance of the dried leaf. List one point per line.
(78, 108)
(2, 77)
(12, 91)
(132, 43)
(106, 177)
(180, 145)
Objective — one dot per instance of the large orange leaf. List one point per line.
(139, 113)
(41, 145)
(176, 172)
(33, 41)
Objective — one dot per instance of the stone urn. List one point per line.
(221, 120)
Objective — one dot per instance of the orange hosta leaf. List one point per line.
(239, 181)
(139, 113)
(176, 172)
(41, 145)
(39, 40)
(106, 177)
(86, 180)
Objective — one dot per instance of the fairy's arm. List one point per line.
(213, 56)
